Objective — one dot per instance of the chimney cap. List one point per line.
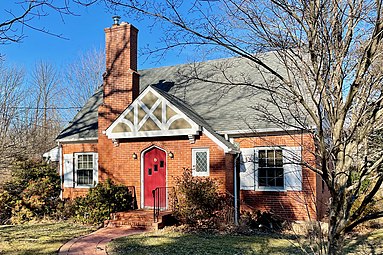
(116, 20)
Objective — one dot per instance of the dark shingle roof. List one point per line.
(188, 111)
(204, 91)
(219, 91)
(85, 124)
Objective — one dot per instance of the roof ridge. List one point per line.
(190, 63)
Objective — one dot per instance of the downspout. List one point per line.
(236, 216)
(60, 169)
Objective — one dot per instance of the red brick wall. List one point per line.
(118, 164)
(289, 204)
(122, 168)
(322, 199)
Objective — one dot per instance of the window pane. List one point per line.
(262, 172)
(80, 178)
(262, 181)
(79, 161)
(279, 172)
(90, 162)
(271, 182)
(270, 171)
(85, 177)
(262, 158)
(278, 158)
(85, 162)
(201, 161)
(279, 182)
(270, 158)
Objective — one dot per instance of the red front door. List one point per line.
(154, 173)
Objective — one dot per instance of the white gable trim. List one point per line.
(162, 124)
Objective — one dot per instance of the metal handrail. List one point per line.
(163, 200)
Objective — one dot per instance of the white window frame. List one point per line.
(194, 158)
(94, 172)
(251, 172)
(270, 188)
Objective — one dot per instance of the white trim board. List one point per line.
(163, 124)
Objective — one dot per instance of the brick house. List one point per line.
(141, 128)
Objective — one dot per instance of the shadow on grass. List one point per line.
(368, 243)
(178, 243)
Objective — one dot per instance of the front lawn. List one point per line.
(369, 242)
(38, 238)
(166, 242)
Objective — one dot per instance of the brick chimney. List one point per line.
(121, 87)
(121, 80)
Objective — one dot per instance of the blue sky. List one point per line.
(83, 32)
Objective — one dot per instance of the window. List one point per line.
(270, 168)
(200, 162)
(86, 169)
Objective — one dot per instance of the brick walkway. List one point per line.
(95, 243)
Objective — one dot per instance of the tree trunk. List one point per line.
(336, 231)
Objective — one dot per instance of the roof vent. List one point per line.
(116, 20)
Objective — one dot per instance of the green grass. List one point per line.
(179, 243)
(168, 242)
(38, 238)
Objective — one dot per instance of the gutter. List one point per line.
(262, 130)
(236, 216)
(60, 169)
(71, 140)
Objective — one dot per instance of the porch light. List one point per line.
(170, 154)
(134, 155)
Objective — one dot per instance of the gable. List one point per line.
(151, 115)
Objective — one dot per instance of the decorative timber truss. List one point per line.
(151, 115)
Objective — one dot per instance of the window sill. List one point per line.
(84, 186)
(271, 189)
(265, 189)
(200, 175)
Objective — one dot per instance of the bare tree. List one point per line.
(83, 77)
(328, 54)
(29, 115)
(21, 15)
(11, 95)
(44, 99)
